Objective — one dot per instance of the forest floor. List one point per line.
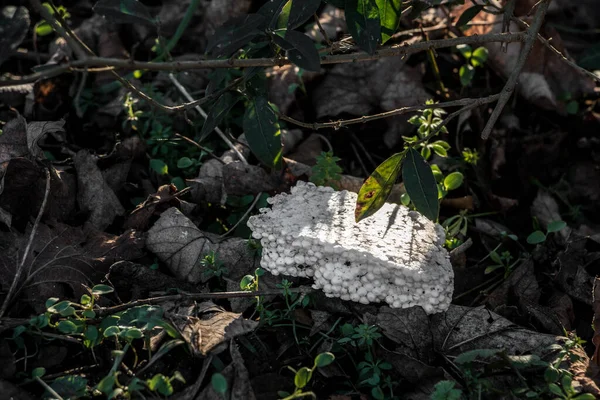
(127, 269)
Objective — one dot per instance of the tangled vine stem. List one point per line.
(194, 296)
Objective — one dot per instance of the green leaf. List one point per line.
(67, 312)
(468, 15)
(362, 18)
(184, 162)
(89, 313)
(376, 189)
(420, 184)
(85, 299)
(159, 166)
(389, 15)
(465, 50)
(479, 56)
(161, 384)
(102, 289)
(271, 12)
(302, 11)
(466, 74)
(439, 150)
(453, 180)
(59, 307)
(444, 390)
(67, 327)
(472, 355)
(492, 268)
(107, 384)
(303, 52)
(324, 359)
(556, 226)
(377, 393)
(405, 199)
(536, 237)
(111, 331)
(262, 132)
(43, 29)
(219, 383)
(496, 257)
(554, 388)
(38, 372)
(131, 333)
(235, 34)
(302, 377)
(220, 110)
(70, 386)
(91, 333)
(51, 301)
(124, 12)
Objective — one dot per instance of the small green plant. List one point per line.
(501, 261)
(537, 236)
(326, 172)
(213, 267)
(428, 122)
(371, 372)
(470, 156)
(303, 376)
(534, 377)
(475, 58)
(119, 331)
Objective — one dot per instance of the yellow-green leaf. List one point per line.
(377, 187)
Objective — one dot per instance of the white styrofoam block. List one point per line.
(396, 255)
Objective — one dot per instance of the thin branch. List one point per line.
(224, 137)
(546, 42)
(399, 111)
(192, 296)
(509, 87)
(390, 51)
(205, 149)
(21, 267)
(256, 198)
(85, 54)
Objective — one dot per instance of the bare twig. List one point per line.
(399, 111)
(256, 198)
(85, 54)
(21, 267)
(509, 87)
(207, 150)
(193, 296)
(224, 137)
(546, 42)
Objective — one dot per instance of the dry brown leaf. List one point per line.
(409, 328)
(94, 195)
(462, 328)
(213, 326)
(181, 245)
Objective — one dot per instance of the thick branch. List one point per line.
(396, 50)
(509, 87)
